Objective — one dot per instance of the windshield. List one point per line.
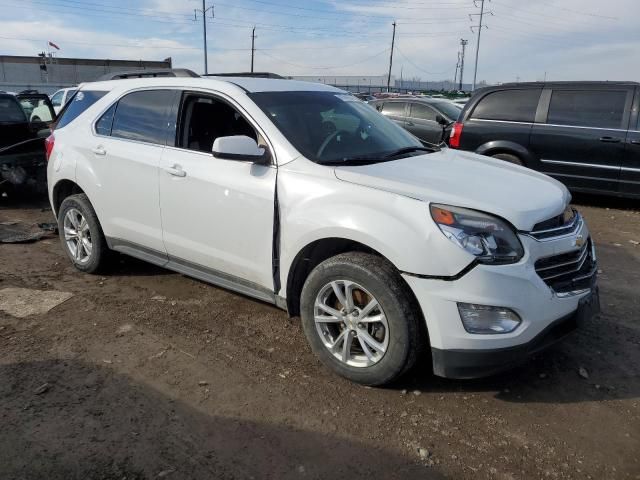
(329, 127)
(10, 111)
(451, 110)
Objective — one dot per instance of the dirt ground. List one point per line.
(144, 373)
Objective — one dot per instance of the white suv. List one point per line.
(300, 195)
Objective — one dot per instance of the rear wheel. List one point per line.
(507, 157)
(360, 319)
(81, 234)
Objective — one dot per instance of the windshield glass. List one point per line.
(449, 109)
(10, 111)
(328, 127)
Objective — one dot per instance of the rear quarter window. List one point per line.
(508, 105)
(587, 108)
(82, 100)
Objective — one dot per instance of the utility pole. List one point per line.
(253, 44)
(455, 76)
(204, 29)
(393, 40)
(463, 43)
(479, 27)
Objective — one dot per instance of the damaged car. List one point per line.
(24, 124)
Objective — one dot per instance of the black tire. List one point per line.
(99, 251)
(407, 332)
(507, 157)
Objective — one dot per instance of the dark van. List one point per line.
(585, 134)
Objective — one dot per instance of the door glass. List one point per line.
(394, 108)
(206, 118)
(509, 105)
(56, 100)
(103, 125)
(142, 116)
(603, 109)
(422, 112)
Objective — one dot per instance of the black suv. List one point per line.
(585, 134)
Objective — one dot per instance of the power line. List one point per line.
(337, 67)
(417, 67)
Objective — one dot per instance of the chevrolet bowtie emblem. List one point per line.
(579, 241)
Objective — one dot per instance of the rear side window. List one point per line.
(142, 116)
(604, 108)
(10, 110)
(394, 108)
(78, 104)
(422, 112)
(103, 125)
(509, 105)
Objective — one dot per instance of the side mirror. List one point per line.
(441, 120)
(241, 148)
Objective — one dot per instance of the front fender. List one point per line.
(398, 227)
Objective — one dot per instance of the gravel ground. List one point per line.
(144, 373)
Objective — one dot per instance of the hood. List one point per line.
(519, 195)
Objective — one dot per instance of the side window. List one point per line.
(70, 94)
(56, 100)
(394, 108)
(77, 105)
(105, 122)
(604, 108)
(143, 116)
(205, 118)
(422, 112)
(508, 105)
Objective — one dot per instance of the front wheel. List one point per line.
(360, 318)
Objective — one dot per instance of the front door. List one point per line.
(582, 142)
(217, 215)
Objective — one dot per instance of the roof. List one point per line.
(248, 84)
(566, 84)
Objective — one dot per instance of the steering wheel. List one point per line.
(328, 140)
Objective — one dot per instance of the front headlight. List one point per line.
(488, 238)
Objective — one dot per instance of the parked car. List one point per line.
(429, 119)
(22, 135)
(585, 134)
(61, 97)
(300, 195)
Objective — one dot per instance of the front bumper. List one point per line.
(546, 314)
(465, 364)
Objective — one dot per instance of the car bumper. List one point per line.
(546, 315)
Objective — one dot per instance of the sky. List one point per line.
(523, 40)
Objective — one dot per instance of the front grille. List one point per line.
(569, 271)
(556, 226)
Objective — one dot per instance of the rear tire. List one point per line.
(507, 157)
(384, 341)
(81, 234)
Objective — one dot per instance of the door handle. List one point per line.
(176, 170)
(610, 139)
(99, 150)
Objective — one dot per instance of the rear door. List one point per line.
(581, 139)
(421, 121)
(630, 170)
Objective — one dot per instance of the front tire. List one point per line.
(81, 234)
(360, 318)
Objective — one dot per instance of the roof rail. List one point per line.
(245, 74)
(160, 72)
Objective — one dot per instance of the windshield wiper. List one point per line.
(353, 161)
(402, 151)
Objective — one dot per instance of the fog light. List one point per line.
(488, 320)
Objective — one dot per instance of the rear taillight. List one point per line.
(456, 135)
(48, 145)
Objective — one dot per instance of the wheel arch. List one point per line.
(61, 190)
(505, 146)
